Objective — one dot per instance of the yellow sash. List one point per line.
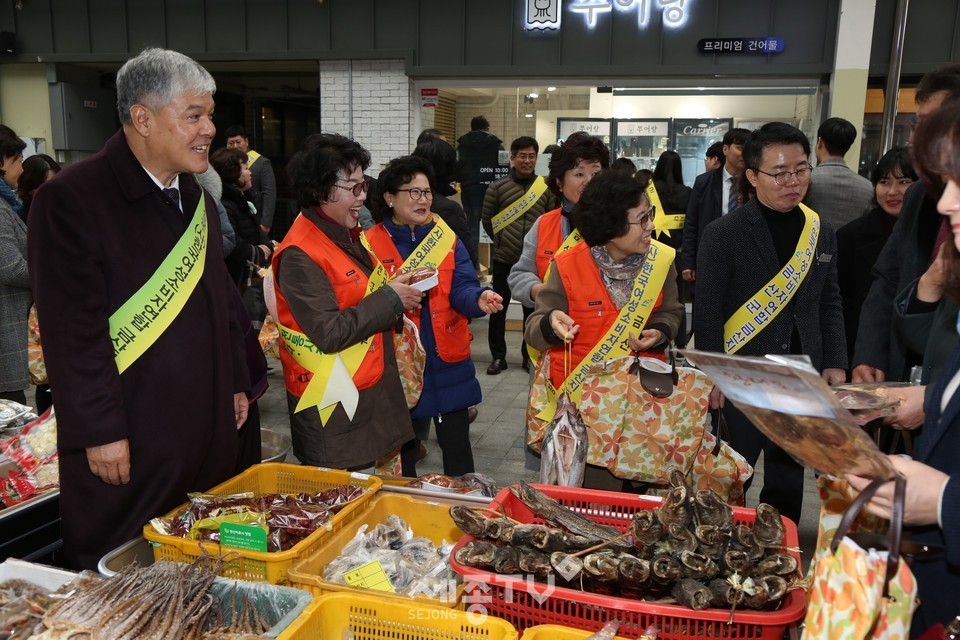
(433, 248)
(513, 211)
(663, 222)
(332, 380)
(760, 310)
(571, 240)
(633, 317)
(252, 156)
(143, 318)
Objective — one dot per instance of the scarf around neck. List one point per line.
(618, 276)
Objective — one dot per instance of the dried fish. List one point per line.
(780, 564)
(665, 569)
(681, 539)
(645, 528)
(692, 593)
(602, 566)
(565, 441)
(476, 553)
(551, 511)
(535, 562)
(675, 508)
(633, 571)
(735, 561)
(726, 593)
(568, 567)
(767, 590)
(712, 539)
(522, 534)
(506, 560)
(743, 539)
(468, 520)
(699, 566)
(548, 539)
(498, 529)
(768, 527)
(710, 509)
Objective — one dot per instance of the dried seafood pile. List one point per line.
(689, 550)
(290, 518)
(164, 600)
(22, 604)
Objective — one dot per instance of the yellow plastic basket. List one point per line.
(427, 519)
(259, 566)
(547, 632)
(362, 617)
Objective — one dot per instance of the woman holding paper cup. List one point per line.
(410, 239)
(616, 278)
(932, 503)
(336, 311)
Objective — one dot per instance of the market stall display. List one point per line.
(165, 600)
(418, 542)
(270, 479)
(591, 539)
(28, 455)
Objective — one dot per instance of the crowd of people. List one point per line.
(150, 325)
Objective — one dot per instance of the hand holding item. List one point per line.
(924, 488)
(689, 275)
(110, 462)
(409, 297)
(930, 286)
(867, 373)
(563, 325)
(490, 302)
(834, 376)
(240, 408)
(910, 413)
(649, 338)
(716, 398)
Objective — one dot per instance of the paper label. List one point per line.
(243, 536)
(369, 576)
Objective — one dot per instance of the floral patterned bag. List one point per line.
(859, 593)
(35, 364)
(836, 496)
(640, 437)
(411, 361)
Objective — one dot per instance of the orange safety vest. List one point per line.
(449, 327)
(349, 286)
(549, 239)
(590, 306)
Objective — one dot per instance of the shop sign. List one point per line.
(705, 129)
(642, 128)
(429, 97)
(546, 14)
(741, 45)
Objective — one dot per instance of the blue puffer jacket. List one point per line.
(447, 386)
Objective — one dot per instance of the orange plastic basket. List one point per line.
(430, 520)
(361, 617)
(525, 603)
(259, 566)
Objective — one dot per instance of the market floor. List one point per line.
(498, 435)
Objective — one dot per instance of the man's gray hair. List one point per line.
(157, 76)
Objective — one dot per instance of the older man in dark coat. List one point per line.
(743, 251)
(137, 434)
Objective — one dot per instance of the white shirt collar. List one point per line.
(174, 184)
(727, 176)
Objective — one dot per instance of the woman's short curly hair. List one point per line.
(601, 214)
(395, 175)
(226, 162)
(578, 146)
(323, 159)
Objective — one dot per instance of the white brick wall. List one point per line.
(376, 113)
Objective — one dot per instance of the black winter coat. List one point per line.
(249, 235)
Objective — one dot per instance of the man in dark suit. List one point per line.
(264, 191)
(714, 194)
(139, 336)
(741, 254)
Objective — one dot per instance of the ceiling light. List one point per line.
(551, 88)
(528, 115)
(534, 95)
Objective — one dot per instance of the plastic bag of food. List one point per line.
(10, 410)
(205, 527)
(392, 533)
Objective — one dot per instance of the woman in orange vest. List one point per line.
(324, 306)
(578, 159)
(591, 282)
(409, 235)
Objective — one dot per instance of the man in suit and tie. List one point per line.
(757, 294)
(837, 193)
(714, 194)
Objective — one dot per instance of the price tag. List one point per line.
(243, 536)
(369, 576)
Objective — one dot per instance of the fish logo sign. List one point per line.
(543, 14)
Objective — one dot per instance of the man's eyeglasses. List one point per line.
(783, 177)
(526, 156)
(646, 218)
(357, 189)
(416, 194)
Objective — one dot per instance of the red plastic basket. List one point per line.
(525, 603)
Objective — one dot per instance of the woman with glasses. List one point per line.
(409, 237)
(337, 309)
(767, 284)
(593, 282)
